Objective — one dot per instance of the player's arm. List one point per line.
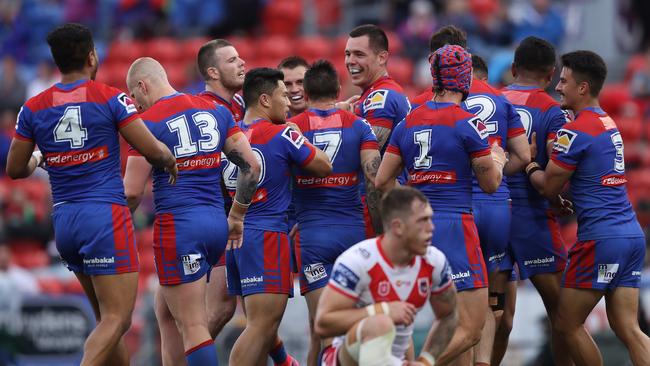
(390, 168)
(383, 134)
(370, 161)
(444, 307)
(156, 153)
(555, 177)
(320, 166)
(488, 169)
(519, 151)
(137, 173)
(22, 159)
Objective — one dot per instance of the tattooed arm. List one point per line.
(370, 161)
(444, 307)
(489, 169)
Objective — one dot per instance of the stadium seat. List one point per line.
(275, 47)
(29, 254)
(314, 48)
(631, 128)
(401, 69)
(190, 48)
(177, 74)
(395, 45)
(282, 17)
(246, 47)
(114, 74)
(634, 64)
(51, 286)
(124, 51)
(165, 50)
(613, 96)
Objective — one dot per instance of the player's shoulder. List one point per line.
(434, 256)
(390, 84)
(590, 123)
(481, 87)
(101, 92)
(422, 98)
(40, 101)
(362, 254)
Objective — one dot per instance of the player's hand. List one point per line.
(38, 156)
(235, 232)
(402, 312)
(294, 127)
(562, 207)
(173, 173)
(292, 233)
(533, 145)
(498, 155)
(348, 104)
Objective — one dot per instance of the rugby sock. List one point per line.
(279, 354)
(203, 354)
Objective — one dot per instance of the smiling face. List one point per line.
(293, 79)
(229, 68)
(363, 63)
(570, 89)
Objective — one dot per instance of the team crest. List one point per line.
(127, 103)
(564, 140)
(423, 286)
(383, 288)
(294, 137)
(480, 127)
(375, 100)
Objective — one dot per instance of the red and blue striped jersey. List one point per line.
(195, 131)
(592, 147)
(437, 142)
(541, 114)
(277, 148)
(236, 106)
(76, 128)
(333, 199)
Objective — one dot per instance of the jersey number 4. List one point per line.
(210, 136)
(69, 128)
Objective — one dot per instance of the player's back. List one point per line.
(76, 128)
(334, 199)
(364, 273)
(502, 122)
(195, 131)
(277, 147)
(437, 142)
(541, 114)
(592, 147)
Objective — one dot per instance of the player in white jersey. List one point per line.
(378, 286)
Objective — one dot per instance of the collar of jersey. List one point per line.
(596, 110)
(438, 105)
(381, 78)
(385, 257)
(170, 96)
(71, 85)
(217, 96)
(521, 87)
(323, 112)
(255, 121)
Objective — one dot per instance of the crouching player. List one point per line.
(378, 286)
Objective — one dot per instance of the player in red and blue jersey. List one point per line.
(75, 125)
(259, 270)
(294, 68)
(440, 145)
(607, 259)
(382, 103)
(197, 131)
(540, 253)
(329, 210)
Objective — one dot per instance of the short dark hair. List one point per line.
(448, 34)
(206, 57)
(398, 201)
(587, 66)
(321, 81)
(377, 38)
(479, 65)
(70, 45)
(535, 55)
(262, 80)
(292, 62)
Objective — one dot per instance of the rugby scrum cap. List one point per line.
(451, 69)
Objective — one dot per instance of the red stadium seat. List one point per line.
(177, 74)
(275, 47)
(282, 17)
(631, 128)
(51, 286)
(395, 45)
(613, 96)
(190, 48)
(125, 51)
(72, 286)
(314, 48)
(114, 74)
(29, 254)
(246, 47)
(634, 64)
(165, 50)
(401, 69)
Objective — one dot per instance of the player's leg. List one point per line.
(622, 312)
(171, 341)
(220, 306)
(548, 287)
(369, 342)
(115, 315)
(263, 315)
(502, 332)
(315, 341)
(574, 305)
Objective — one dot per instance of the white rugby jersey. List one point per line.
(364, 273)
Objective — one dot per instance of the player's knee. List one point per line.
(626, 331)
(376, 326)
(220, 315)
(119, 324)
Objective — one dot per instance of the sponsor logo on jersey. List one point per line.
(636, 273)
(460, 275)
(423, 286)
(99, 262)
(294, 137)
(364, 253)
(344, 277)
(383, 288)
(480, 127)
(375, 100)
(435, 177)
(314, 272)
(191, 263)
(70, 158)
(607, 272)
(128, 104)
(613, 180)
(445, 274)
(539, 262)
(200, 162)
(334, 180)
(248, 281)
(563, 140)
(497, 257)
